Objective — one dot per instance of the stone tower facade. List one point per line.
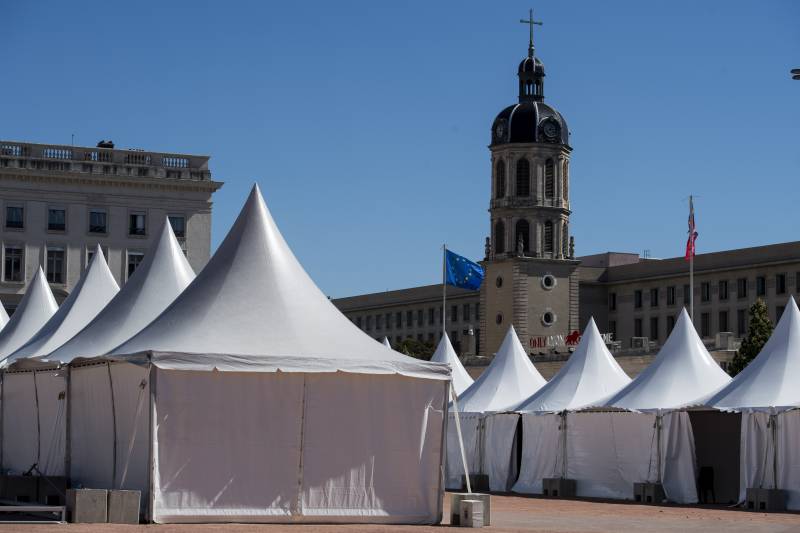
(531, 275)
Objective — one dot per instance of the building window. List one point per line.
(358, 322)
(723, 290)
(523, 178)
(671, 295)
(178, 224)
(13, 264)
(780, 284)
(454, 313)
(670, 324)
(565, 172)
(548, 237)
(388, 321)
(134, 260)
(420, 320)
(398, 320)
(741, 288)
(549, 179)
(409, 319)
(419, 337)
(379, 322)
(466, 313)
(687, 295)
(653, 297)
(741, 322)
(431, 316)
(55, 265)
(761, 286)
(654, 328)
(499, 237)
(97, 221)
(705, 324)
(500, 180)
(797, 282)
(15, 217)
(705, 291)
(477, 310)
(637, 327)
(637, 300)
(779, 312)
(612, 301)
(90, 254)
(56, 219)
(723, 321)
(369, 322)
(137, 224)
(522, 231)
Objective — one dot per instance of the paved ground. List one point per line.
(513, 513)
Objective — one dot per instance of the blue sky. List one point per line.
(366, 123)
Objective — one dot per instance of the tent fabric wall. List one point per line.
(499, 459)
(758, 454)
(91, 431)
(34, 421)
(267, 447)
(540, 449)
(471, 434)
(607, 452)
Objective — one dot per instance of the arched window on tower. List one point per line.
(565, 172)
(549, 179)
(523, 178)
(522, 231)
(548, 237)
(565, 240)
(500, 180)
(499, 237)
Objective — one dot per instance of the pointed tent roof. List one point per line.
(159, 279)
(590, 375)
(682, 374)
(446, 354)
(90, 295)
(509, 379)
(3, 317)
(769, 382)
(36, 308)
(253, 307)
(386, 342)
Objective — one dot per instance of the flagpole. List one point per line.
(691, 266)
(444, 290)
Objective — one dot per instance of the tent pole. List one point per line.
(68, 424)
(658, 447)
(38, 421)
(151, 500)
(774, 420)
(460, 439)
(564, 444)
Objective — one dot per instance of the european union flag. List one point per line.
(461, 272)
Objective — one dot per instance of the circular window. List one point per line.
(499, 282)
(499, 318)
(548, 282)
(548, 318)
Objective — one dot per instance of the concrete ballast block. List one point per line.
(471, 513)
(20, 489)
(558, 487)
(478, 482)
(53, 490)
(455, 507)
(648, 492)
(765, 499)
(123, 506)
(87, 506)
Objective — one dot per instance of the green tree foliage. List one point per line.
(757, 335)
(416, 349)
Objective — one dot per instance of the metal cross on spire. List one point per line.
(530, 22)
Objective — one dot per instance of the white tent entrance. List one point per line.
(33, 439)
(716, 441)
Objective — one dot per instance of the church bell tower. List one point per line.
(531, 275)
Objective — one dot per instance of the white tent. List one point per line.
(767, 393)
(446, 354)
(509, 379)
(386, 342)
(657, 439)
(35, 309)
(590, 375)
(3, 316)
(94, 290)
(160, 278)
(266, 403)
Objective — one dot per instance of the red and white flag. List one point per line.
(690, 250)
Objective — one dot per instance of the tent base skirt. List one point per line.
(175, 516)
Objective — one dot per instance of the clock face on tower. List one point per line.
(550, 130)
(500, 130)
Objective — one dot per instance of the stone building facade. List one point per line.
(58, 202)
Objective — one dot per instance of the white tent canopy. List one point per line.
(446, 354)
(160, 278)
(509, 379)
(590, 375)
(94, 290)
(770, 381)
(682, 374)
(252, 356)
(386, 342)
(3, 316)
(36, 308)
